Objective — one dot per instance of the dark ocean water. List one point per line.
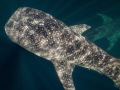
(22, 70)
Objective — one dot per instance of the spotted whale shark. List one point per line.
(110, 30)
(48, 37)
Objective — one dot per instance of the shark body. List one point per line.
(110, 30)
(47, 37)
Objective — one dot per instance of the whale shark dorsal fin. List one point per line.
(80, 28)
(106, 19)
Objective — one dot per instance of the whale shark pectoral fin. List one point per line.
(112, 39)
(106, 19)
(79, 29)
(64, 72)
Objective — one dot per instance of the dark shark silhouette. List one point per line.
(47, 37)
(110, 30)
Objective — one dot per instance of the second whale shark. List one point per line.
(110, 30)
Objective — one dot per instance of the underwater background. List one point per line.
(22, 70)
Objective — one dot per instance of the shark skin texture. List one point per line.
(47, 37)
(110, 30)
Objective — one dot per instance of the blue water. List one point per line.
(22, 70)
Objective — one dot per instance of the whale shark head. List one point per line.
(39, 32)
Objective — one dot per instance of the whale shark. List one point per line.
(49, 38)
(110, 30)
